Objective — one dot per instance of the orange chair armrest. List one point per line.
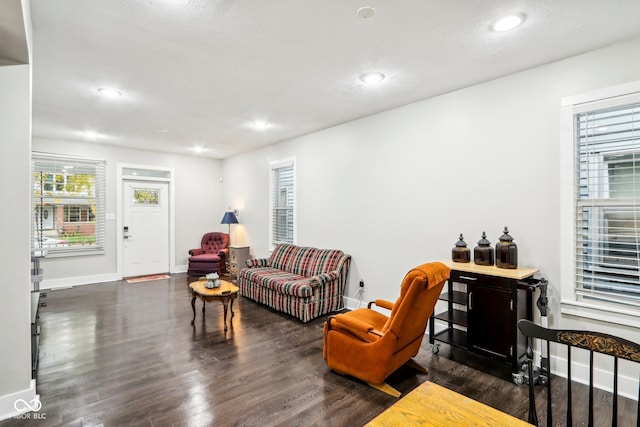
(382, 303)
(350, 322)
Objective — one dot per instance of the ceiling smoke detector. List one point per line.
(366, 12)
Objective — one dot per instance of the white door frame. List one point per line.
(120, 178)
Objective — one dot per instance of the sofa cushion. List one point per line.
(291, 258)
(324, 261)
(304, 261)
(280, 281)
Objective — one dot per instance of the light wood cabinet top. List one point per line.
(491, 270)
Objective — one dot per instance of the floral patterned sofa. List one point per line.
(301, 281)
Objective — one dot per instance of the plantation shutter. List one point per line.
(607, 203)
(282, 202)
(68, 204)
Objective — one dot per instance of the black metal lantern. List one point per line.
(461, 253)
(483, 253)
(506, 251)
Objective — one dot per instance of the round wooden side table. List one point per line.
(226, 293)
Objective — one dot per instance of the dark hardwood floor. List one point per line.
(119, 354)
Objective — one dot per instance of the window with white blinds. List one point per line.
(608, 203)
(283, 201)
(68, 204)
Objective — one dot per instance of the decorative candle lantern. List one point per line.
(506, 251)
(483, 253)
(461, 253)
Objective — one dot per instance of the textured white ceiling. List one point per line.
(198, 72)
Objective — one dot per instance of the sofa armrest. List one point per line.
(338, 275)
(258, 262)
(223, 253)
(197, 251)
(323, 278)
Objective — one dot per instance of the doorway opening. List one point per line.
(145, 220)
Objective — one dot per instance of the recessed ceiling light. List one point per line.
(164, 130)
(89, 134)
(109, 93)
(508, 23)
(260, 124)
(199, 149)
(366, 12)
(372, 78)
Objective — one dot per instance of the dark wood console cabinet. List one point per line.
(483, 306)
(36, 303)
(35, 332)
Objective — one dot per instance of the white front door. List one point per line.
(145, 230)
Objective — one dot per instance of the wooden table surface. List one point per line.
(199, 287)
(432, 405)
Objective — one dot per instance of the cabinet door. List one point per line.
(233, 259)
(490, 322)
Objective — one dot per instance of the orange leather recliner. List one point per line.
(370, 346)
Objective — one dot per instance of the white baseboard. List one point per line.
(78, 280)
(90, 280)
(9, 402)
(352, 303)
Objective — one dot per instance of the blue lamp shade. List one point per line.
(229, 218)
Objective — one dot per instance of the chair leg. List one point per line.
(415, 365)
(386, 388)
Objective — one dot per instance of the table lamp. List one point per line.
(229, 218)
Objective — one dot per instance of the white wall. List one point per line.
(15, 296)
(395, 189)
(15, 173)
(198, 199)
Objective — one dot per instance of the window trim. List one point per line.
(100, 196)
(276, 164)
(570, 106)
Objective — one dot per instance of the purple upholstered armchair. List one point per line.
(210, 257)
